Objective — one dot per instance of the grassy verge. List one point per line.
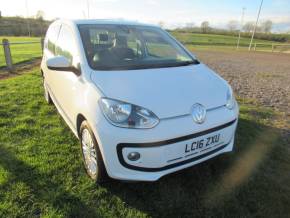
(225, 42)
(213, 39)
(41, 173)
(21, 52)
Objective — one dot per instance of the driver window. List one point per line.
(66, 45)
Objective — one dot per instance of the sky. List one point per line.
(172, 13)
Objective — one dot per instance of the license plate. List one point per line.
(202, 144)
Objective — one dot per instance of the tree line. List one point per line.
(263, 30)
(37, 26)
(19, 26)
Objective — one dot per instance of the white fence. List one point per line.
(274, 47)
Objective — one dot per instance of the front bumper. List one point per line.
(162, 148)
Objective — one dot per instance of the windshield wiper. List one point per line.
(186, 63)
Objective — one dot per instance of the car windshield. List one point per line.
(128, 47)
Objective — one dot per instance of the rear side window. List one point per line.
(51, 38)
(66, 45)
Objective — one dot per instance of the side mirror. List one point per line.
(61, 63)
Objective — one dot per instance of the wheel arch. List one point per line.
(79, 120)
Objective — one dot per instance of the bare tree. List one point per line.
(249, 26)
(39, 15)
(266, 26)
(161, 24)
(189, 25)
(233, 25)
(205, 27)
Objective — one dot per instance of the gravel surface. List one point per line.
(264, 77)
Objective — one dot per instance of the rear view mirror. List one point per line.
(61, 63)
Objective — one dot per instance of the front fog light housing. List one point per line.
(134, 156)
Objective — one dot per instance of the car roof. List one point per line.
(102, 21)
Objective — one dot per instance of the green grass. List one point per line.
(21, 52)
(41, 172)
(210, 41)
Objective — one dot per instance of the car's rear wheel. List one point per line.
(46, 93)
(92, 157)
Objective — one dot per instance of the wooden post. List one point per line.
(272, 47)
(42, 44)
(7, 54)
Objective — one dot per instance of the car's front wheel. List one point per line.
(92, 157)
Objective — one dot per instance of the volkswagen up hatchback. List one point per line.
(140, 103)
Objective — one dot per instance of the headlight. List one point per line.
(127, 115)
(230, 104)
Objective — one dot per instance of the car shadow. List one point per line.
(40, 188)
(218, 187)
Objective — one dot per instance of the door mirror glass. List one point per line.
(57, 63)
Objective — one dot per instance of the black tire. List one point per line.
(101, 174)
(46, 92)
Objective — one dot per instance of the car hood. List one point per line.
(167, 92)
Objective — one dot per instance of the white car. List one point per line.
(141, 104)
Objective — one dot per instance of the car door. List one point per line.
(66, 83)
(49, 52)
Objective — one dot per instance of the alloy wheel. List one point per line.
(89, 152)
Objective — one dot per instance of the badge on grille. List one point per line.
(198, 113)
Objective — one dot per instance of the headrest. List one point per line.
(121, 40)
(103, 37)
